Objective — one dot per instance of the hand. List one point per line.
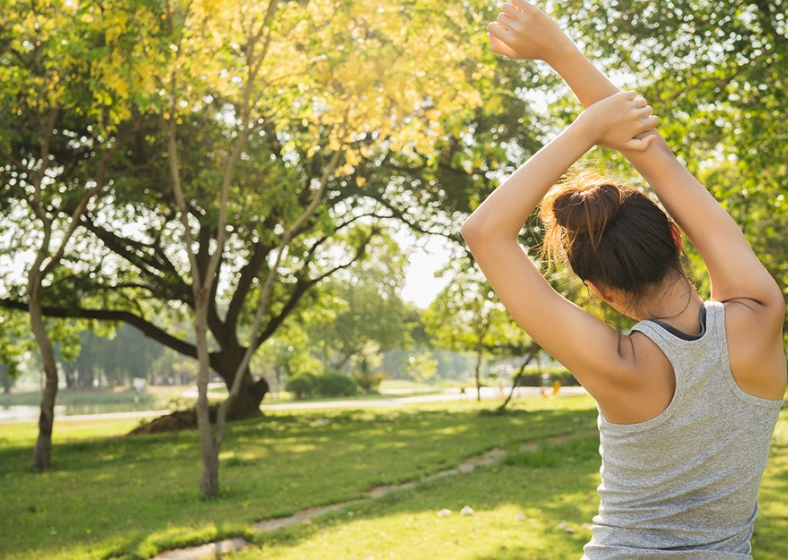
(523, 31)
(623, 121)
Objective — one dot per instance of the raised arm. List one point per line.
(522, 31)
(592, 350)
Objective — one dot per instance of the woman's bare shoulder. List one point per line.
(755, 347)
(650, 387)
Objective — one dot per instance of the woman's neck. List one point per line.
(677, 304)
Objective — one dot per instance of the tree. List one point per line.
(310, 101)
(421, 367)
(54, 87)
(716, 74)
(362, 306)
(118, 354)
(467, 317)
(14, 342)
(332, 120)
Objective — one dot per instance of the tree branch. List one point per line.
(148, 329)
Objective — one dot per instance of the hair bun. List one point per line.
(588, 209)
(609, 233)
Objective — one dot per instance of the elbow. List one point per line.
(469, 229)
(482, 235)
(774, 299)
(473, 232)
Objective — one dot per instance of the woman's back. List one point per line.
(685, 483)
(695, 417)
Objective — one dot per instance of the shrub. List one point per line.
(369, 382)
(302, 386)
(335, 384)
(534, 379)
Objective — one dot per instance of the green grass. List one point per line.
(553, 487)
(407, 525)
(132, 497)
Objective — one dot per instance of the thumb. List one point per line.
(499, 47)
(639, 144)
(495, 43)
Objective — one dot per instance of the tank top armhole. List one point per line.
(661, 338)
(722, 338)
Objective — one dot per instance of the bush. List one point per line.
(335, 384)
(302, 386)
(534, 379)
(369, 382)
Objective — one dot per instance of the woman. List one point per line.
(688, 401)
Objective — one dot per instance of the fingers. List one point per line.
(504, 20)
(496, 35)
(496, 30)
(495, 44)
(644, 112)
(641, 105)
(510, 11)
(522, 5)
(639, 144)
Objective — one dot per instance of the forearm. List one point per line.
(587, 82)
(503, 213)
(707, 225)
(590, 85)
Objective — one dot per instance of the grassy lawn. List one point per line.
(113, 497)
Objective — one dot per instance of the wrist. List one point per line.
(584, 132)
(564, 56)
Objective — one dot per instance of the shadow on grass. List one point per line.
(555, 487)
(555, 490)
(140, 493)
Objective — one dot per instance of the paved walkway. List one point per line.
(487, 393)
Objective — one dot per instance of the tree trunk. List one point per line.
(247, 404)
(515, 381)
(42, 455)
(528, 357)
(71, 375)
(209, 485)
(479, 353)
(7, 377)
(87, 377)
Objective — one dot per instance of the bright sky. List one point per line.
(427, 257)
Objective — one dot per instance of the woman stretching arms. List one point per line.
(688, 401)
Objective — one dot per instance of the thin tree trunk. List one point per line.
(209, 485)
(39, 270)
(516, 380)
(479, 353)
(42, 454)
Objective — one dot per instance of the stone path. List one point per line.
(488, 458)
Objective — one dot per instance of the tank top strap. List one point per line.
(672, 341)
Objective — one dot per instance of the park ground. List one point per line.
(109, 496)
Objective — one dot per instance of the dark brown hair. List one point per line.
(610, 233)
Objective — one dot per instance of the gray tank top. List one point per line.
(684, 484)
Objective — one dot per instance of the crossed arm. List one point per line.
(600, 357)
(597, 354)
(523, 31)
